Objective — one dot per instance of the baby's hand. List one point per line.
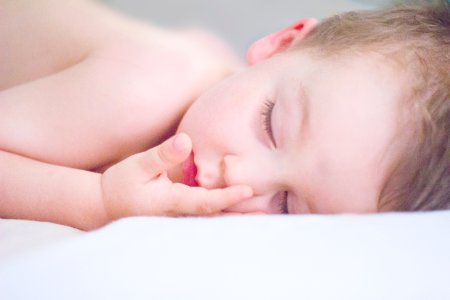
(139, 185)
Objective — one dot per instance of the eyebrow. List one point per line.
(304, 106)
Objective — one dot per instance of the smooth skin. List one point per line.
(325, 146)
(83, 89)
(144, 176)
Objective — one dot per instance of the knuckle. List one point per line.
(163, 155)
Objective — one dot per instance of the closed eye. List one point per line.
(266, 114)
(283, 203)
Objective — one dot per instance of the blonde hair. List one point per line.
(415, 37)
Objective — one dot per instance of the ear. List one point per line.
(279, 41)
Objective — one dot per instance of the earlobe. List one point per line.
(279, 41)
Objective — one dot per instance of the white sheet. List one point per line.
(20, 236)
(386, 256)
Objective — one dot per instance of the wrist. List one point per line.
(112, 184)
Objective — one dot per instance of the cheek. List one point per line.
(208, 119)
(220, 124)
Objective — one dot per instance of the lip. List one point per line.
(190, 171)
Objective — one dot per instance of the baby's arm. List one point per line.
(55, 129)
(34, 190)
(50, 131)
(136, 186)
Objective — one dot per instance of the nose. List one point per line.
(210, 174)
(233, 170)
(260, 175)
(253, 171)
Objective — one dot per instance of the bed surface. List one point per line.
(385, 256)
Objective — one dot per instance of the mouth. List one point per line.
(190, 171)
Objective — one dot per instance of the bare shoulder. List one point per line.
(97, 96)
(42, 37)
(154, 78)
(119, 100)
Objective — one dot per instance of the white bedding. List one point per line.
(385, 256)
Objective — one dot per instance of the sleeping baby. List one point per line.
(105, 117)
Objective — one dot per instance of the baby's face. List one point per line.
(308, 135)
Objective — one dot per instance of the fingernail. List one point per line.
(180, 142)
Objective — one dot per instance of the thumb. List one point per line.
(170, 153)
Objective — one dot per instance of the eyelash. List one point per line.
(267, 119)
(267, 123)
(283, 204)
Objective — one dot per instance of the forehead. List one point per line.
(343, 73)
(347, 95)
(352, 120)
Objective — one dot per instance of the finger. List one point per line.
(170, 153)
(201, 201)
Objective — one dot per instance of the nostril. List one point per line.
(210, 178)
(205, 180)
